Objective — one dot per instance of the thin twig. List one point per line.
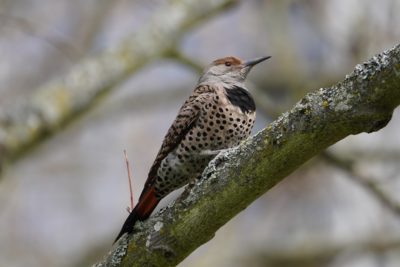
(128, 167)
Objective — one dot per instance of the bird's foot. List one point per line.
(223, 157)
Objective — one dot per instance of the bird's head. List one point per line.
(229, 70)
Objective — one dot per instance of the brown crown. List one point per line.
(230, 60)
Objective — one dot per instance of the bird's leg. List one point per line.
(221, 157)
(209, 152)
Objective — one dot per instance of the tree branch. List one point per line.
(363, 102)
(24, 123)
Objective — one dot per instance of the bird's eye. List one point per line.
(228, 63)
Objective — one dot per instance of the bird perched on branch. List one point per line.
(218, 115)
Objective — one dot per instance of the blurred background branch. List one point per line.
(24, 123)
(369, 183)
(314, 256)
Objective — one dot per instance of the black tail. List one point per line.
(129, 223)
(147, 203)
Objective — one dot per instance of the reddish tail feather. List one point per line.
(147, 203)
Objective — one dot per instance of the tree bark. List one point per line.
(363, 102)
(23, 124)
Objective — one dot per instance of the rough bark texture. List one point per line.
(22, 124)
(363, 102)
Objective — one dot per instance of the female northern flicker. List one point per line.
(218, 115)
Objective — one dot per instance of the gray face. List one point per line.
(229, 70)
(225, 73)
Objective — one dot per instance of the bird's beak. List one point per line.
(251, 63)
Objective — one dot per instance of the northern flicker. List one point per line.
(218, 115)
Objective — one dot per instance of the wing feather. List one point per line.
(183, 123)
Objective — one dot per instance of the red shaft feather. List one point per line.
(142, 211)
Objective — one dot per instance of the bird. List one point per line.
(218, 115)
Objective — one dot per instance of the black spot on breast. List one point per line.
(241, 98)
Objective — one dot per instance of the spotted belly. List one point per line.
(218, 127)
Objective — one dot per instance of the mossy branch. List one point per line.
(363, 102)
(22, 124)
